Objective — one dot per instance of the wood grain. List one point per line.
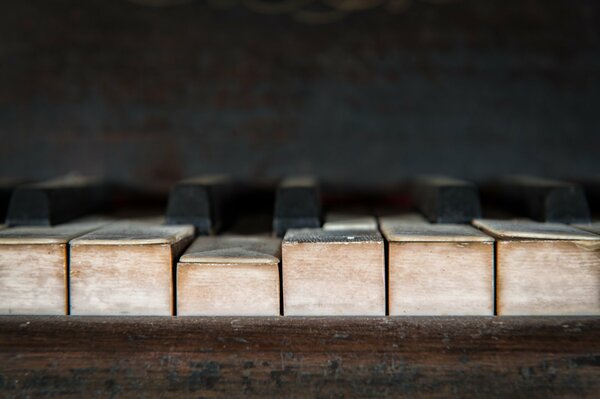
(545, 268)
(548, 277)
(126, 269)
(424, 357)
(33, 268)
(333, 273)
(33, 279)
(436, 269)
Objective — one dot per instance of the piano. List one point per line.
(299, 198)
(233, 288)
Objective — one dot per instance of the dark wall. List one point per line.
(470, 88)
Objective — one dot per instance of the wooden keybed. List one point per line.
(300, 357)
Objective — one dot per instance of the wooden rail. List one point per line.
(299, 357)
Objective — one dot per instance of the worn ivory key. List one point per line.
(333, 272)
(126, 268)
(230, 275)
(545, 268)
(349, 219)
(34, 268)
(438, 269)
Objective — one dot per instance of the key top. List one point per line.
(353, 218)
(446, 200)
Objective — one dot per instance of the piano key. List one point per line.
(203, 202)
(543, 200)
(34, 268)
(544, 268)
(438, 269)
(333, 273)
(7, 186)
(297, 205)
(446, 200)
(354, 218)
(593, 227)
(56, 201)
(591, 187)
(126, 268)
(230, 275)
(389, 218)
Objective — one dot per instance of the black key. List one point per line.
(544, 200)
(297, 205)
(7, 186)
(446, 200)
(56, 201)
(205, 202)
(591, 187)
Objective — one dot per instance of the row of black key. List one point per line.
(210, 203)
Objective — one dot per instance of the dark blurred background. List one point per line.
(152, 94)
